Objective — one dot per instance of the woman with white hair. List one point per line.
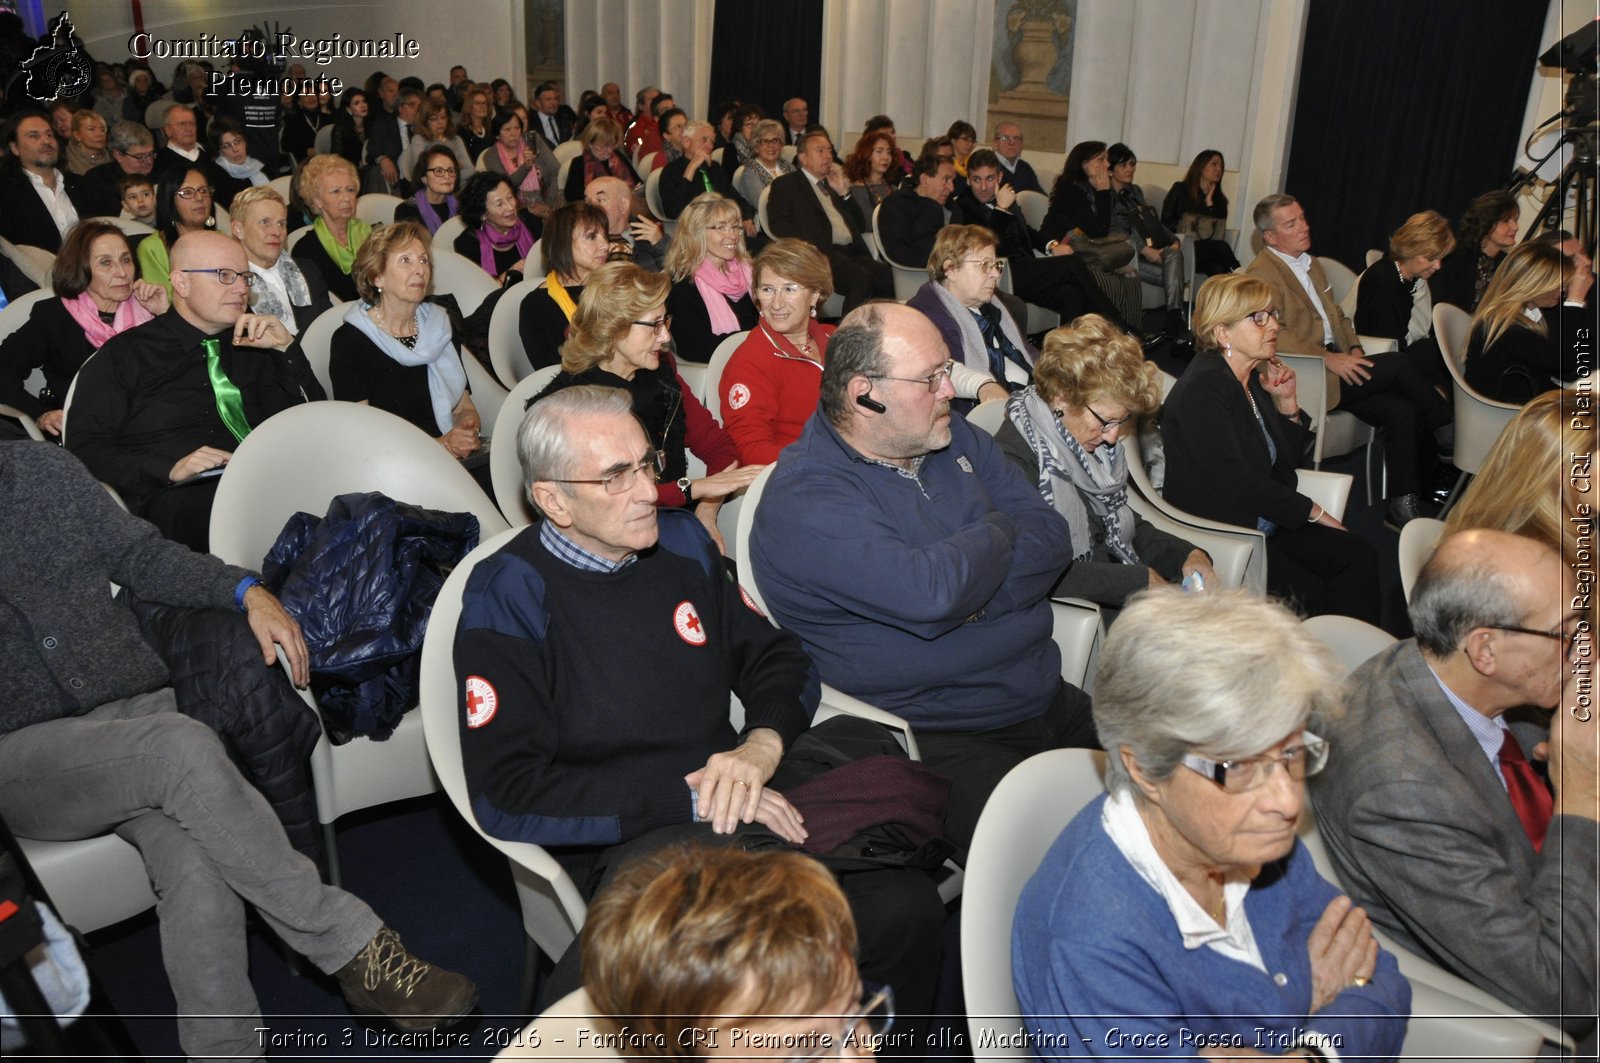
(1180, 909)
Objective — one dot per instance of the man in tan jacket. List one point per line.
(1386, 392)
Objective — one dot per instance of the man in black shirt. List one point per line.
(696, 173)
(158, 410)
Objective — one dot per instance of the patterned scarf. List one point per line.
(264, 299)
(1071, 478)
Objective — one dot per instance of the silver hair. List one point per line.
(126, 135)
(543, 444)
(1268, 204)
(1228, 672)
(1455, 594)
(695, 127)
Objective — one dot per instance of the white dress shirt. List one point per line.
(1301, 266)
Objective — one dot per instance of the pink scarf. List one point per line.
(714, 283)
(87, 315)
(487, 246)
(530, 180)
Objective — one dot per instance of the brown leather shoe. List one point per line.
(384, 979)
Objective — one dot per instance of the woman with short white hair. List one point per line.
(1181, 905)
(293, 292)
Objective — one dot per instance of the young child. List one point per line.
(138, 197)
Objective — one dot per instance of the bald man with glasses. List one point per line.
(159, 409)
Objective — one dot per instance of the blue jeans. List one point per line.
(209, 840)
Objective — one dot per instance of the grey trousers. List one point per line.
(1168, 273)
(210, 843)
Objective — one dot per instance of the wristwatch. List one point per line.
(684, 485)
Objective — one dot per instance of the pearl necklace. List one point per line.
(377, 317)
(1409, 285)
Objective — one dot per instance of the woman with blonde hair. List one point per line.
(1091, 384)
(620, 338)
(1387, 302)
(1513, 354)
(1536, 476)
(1235, 434)
(710, 270)
(329, 187)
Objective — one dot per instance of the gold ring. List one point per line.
(1360, 980)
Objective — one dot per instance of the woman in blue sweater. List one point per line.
(1179, 915)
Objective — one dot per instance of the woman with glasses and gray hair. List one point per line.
(1235, 434)
(1179, 913)
(1090, 386)
(964, 271)
(621, 337)
(766, 165)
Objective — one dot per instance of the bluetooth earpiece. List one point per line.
(871, 403)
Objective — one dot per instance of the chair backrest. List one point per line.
(1352, 641)
(652, 198)
(302, 458)
(444, 238)
(17, 312)
(1417, 541)
(316, 341)
(505, 469)
(506, 354)
(644, 163)
(761, 212)
(462, 278)
(127, 225)
(1340, 279)
(1035, 205)
(563, 172)
(487, 394)
(789, 152)
(36, 263)
(711, 384)
(988, 416)
(377, 208)
(748, 577)
(30, 427)
(568, 150)
(295, 237)
(553, 914)
(155, 115)
(1021, 820)
(1374, 256)
(284, 186)
(322, 143)
(1479, 420)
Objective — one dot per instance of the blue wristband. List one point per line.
(243, 588)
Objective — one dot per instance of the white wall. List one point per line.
(635, 43)
(485, 35)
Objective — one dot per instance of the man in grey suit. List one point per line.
(1436, 821)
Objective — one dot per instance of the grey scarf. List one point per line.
(263, 300)
(1071, 478)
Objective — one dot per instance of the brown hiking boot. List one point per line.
(384, 979)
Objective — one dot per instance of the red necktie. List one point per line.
(1530, 798)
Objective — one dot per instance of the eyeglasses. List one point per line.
(1567, 641)
(987, 265)
(932, 380)
(203, 192)
(724, 227)
(1260, 317)
(769, 140)
(1244, 774)
(443, 171)
(870, 1021)
(664, 325)
(226, 277)
(1006, 138)
(1105, 425)
(622, 480)
(138, 156)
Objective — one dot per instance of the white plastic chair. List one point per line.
(93, 882)
(693, 374)
(1337, 431)
(652, 199)
(444, 239)
(322, 143)
(36, 263)
(761, 212)
(568, 150)
(1024, 815)
(1034, 205)
(295, 237)
(462, 278)
(510, 361)
(505, 468)
(1352, 641)
(316, 341)
(131, 228)
(487, 394)
(299, 460)
(907, 279)
(284, 186)
(1417, 541)
(377, 208)
(29, 425)
(1479, 420)
(711, 384)
(644, 163)
(17, 312)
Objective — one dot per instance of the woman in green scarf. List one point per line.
(329, 186)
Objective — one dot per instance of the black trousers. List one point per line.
(183, 512)
(859, 278)
(1063, 284)
(976, 761)
(1324, 570)
(1401, 403)
(899, 918)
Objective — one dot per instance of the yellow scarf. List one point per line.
(552, 284)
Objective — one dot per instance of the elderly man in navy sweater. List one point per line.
(936, 610)
(597, 653)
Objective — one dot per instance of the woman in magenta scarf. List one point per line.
(98, 294)
(710, 269)
(498, 236)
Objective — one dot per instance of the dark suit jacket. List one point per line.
(793, 210)
(169, 164)
(678, 188)
(1422, 834)
(1009, 226)
(23, 217)
(1024, 180)
(1218, 465)
(908, 224)
(383, 138)
(101, 191)
(563, 127)
(1302, 326)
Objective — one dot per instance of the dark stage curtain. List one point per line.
(1406, 106)
(764, 53)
